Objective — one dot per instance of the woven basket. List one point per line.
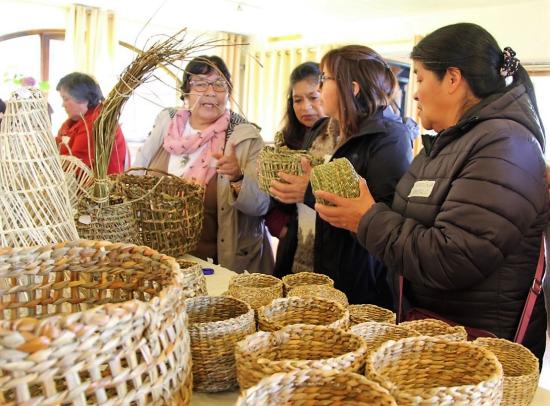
(436, 328)
(105, 324)
(316, 387)
(169, 210)
(256, 289)
(376, 334)
(193, 280)
(294, 347)
(521, 370)
(431, 371)
(216, 324)
(362, 313)
(338, 177)
(302, 310)
(322, 291)
(305, 278)
(273, 160)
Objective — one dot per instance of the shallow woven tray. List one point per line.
(521, 370)
(216, 324)
(436, 328)
(362, 313)
(302, 310)
(193, 279)
(322, 291)
(338, 177)
(431, 371)
(316, 387)
(298, 347)
(376, 334)
(306, 278)
(256, 289)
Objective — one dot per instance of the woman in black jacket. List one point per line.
(357, 88)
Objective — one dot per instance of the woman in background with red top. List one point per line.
(82, 99)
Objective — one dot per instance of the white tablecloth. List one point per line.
(216, 285)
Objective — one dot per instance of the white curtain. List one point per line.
(92, 39)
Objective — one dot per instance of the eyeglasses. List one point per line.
(323, 78)
(218, 85)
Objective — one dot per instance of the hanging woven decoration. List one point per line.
(35, 207)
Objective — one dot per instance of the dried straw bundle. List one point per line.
(35, 207)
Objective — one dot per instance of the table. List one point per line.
(217, 284)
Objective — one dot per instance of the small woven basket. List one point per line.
(256, 289)
(376, 334)
(362, 313)
(305, 278)
(338, 177)
(316, 387)
(216, 324)
(193, 280)
(273, 160)
(436, 328)
(430, 371)
(90, 322)
(298, 347)
(521, 370)
(302, 310)
(322, 291)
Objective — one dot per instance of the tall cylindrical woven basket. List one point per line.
(35, 208)
(90, 322)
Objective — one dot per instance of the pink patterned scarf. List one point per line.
(214, 137)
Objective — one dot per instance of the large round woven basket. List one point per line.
(306, 278)
(316, 387)
(301, 347)
(193, 280)
(302, 310)
(521, 370)
(431, 371)
(376, 334)
(216, 324)
(362, 313)
(256, 289)
(322, 291)
(90, 322)
(338, 177)
(436, 328)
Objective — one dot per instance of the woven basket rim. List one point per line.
(236, 281)
(529, 359)
(220, 323)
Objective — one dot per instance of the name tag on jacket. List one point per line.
(422, 188)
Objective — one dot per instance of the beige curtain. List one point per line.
(267, 75)
(91, 37)
(411, 104)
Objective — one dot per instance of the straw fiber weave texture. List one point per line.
(368, 312)
(376, 334)
(255, 289)
(193, 279)
(338, 177)
(321, 291)
(305, 278)
(436, 328)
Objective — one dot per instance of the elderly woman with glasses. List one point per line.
(207, 143)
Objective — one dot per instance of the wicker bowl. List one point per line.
(256, 289)
(316, 387)
(362, 313)
(216, 324)
(193, 280)
(338, 177)
(90, 322)
(302, 310)
(521, 370)
(305, 278)
(376, 334)
(301, 347)
(436, 328)
(322, 291)
(431, 371)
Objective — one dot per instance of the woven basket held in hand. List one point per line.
(193, 280)
(322, 291)
(362, 313)
(256, 289)
(431, 371)
(169, 210)
(316, 387)
(216, 324)
(302, 310)
(305, 278)
(376, 334)
(273, 160)
(521, 370)
(299, 346)
(104, 324)
(436, 328)
(338, 177)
